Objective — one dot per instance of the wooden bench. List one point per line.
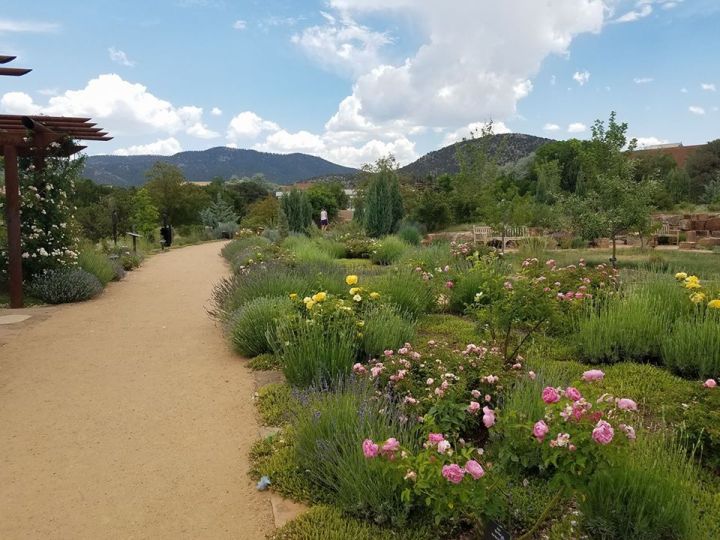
(667, 232)
(487, 235)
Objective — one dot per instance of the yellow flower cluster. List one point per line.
(355, 292)
(692, 282)
(714, 304)
(697, 297)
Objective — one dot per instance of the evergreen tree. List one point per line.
(297, 209)
(218, 212)
(382, 206)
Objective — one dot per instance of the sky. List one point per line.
(355, 80)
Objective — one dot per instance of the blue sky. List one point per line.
(352, 80)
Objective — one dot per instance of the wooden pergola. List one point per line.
(32, 137)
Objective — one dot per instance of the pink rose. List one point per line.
(488, 417)
(449, 284)
(402, 350)
(476, 394)
(359, 368)
(573, 393)
(435, 438)
(376, 370)
(390, 446)
(540, 429)
(593, 375)
(453, 473)
(532, 375)
(473, 407)
(388, 353)
(603, 432)
(550, 395)
(370, 449)
(474, 469)
(710, 383)
(627, 404)
(443, 446)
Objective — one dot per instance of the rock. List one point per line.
(687, 245)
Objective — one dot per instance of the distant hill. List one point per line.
(511, 147)
(206, 164)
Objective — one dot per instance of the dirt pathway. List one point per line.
(128, 416)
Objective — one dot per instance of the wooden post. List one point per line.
(12, 214)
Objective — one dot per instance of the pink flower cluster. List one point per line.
(388, 449)
(454, 473)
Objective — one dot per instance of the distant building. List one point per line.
(676, 151)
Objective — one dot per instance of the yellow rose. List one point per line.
(374, 295)
(293, 296)
(310, 304)
(307, 299)
(691, 279)
(714, 304)
(692, 285)
(357, 298)
(681, 276)
(319, 297)
(355, 290)
(351, 280)
(696, 298)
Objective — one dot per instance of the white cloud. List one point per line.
(708, 87)
(284, 142)
(247, 126)
(162, 147)
(551, 127)
(216, 111)
(696, 110)
(643, 80)
(581, 77)
(642, 11)
(474, 128)
(119, 57)
(342, 45)
(577, 127)
(38, 27)
(240, 25)
(464, 67)
(643, 142)
(122, 107)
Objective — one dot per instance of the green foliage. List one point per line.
(382, 205)
(330, 428)
(275, 457)
(433, 210)
(410, 234)
(648, 494)
(262, 213)
(145, 215)
(65, 285)
(482, 284)
(97, 264)
(316, 351)
(221, 217)
(296, 207)
(173, 196)
(702, 167)
(406, 290)
(385, 328)
(329, 196)
(692, 349)
(254, 321)
(388, 250)
(265, 362)
(274, 402)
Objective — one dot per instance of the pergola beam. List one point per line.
(12, 210)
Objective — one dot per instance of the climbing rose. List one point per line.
(603, 433)
(550, 395)
(473, 407)
(627, 404)
(474, 469)
(593, 375)
(573, 393)
(540, 429)
(488, 417)
(710, 383)
(453, 473)
(370, 449)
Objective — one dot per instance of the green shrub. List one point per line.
(329, 430)
(273, 402)
(410, 234)
(275, 457)
(97, 264)
(406, 290)
(436, 255)
(534, 247)
(306, 250)
(648, 494)
(385, 328)
(315, 352)
(692, 349)
(252, 322)
(231, 249)
(65, 285)
(118, 270)
(388, 250)
(264, 362)
(483, 278)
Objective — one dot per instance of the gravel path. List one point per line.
(129, 417)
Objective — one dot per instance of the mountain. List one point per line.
(510, 147)
(205, 164)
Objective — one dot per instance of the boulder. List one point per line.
(687, 245)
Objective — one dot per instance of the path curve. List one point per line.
(129, 417)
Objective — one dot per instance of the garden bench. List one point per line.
(667, 232)
(489, 236)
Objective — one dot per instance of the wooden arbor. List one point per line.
(32, 137)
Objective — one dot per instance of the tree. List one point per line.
(382, 205)
(328, 195)
(262, 213)
(433, 210)
(144, 213)
(174, 197)
(296, 207)
(702, 166)
(548, 183)
(219, 212)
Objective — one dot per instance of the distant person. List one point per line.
(323, 219)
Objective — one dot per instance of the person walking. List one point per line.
(323, 219)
